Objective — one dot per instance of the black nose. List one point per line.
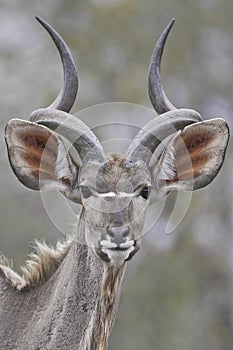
(118, 234)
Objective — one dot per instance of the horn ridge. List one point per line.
(74, 130)
(152, 134)
(68, 92)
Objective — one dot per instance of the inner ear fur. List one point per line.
(38, 156)
(193, 157)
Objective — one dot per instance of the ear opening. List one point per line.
(192, 158)
(39, 157)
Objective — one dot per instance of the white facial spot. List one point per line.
(108, 244)
(127, 245)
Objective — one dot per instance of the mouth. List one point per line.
(116, 254)
(105, 244)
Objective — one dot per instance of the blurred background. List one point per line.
(178, 289)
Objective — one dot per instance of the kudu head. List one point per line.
(115, 190)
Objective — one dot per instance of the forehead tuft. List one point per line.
(118, 168)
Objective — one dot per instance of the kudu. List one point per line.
(68, 295)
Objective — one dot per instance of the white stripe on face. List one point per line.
(114, 195)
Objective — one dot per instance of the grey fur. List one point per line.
(64, 311)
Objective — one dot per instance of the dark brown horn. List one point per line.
(68, 93)
(157, 95)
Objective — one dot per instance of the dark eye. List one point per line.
(86, 192)
(145, 192)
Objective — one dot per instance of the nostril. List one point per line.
(118, 234)
(125, 232)
(110, 232)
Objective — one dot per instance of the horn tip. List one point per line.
(39, 19)
(170, 25)
(44, 24)
(173, 20)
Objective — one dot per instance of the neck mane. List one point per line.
(103, 318)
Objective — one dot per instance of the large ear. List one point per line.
(193, 157)
(39, 157)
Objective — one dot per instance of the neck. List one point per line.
(76, 306)
(84, 301)
(100, 284)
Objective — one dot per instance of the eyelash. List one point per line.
(145, 192)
